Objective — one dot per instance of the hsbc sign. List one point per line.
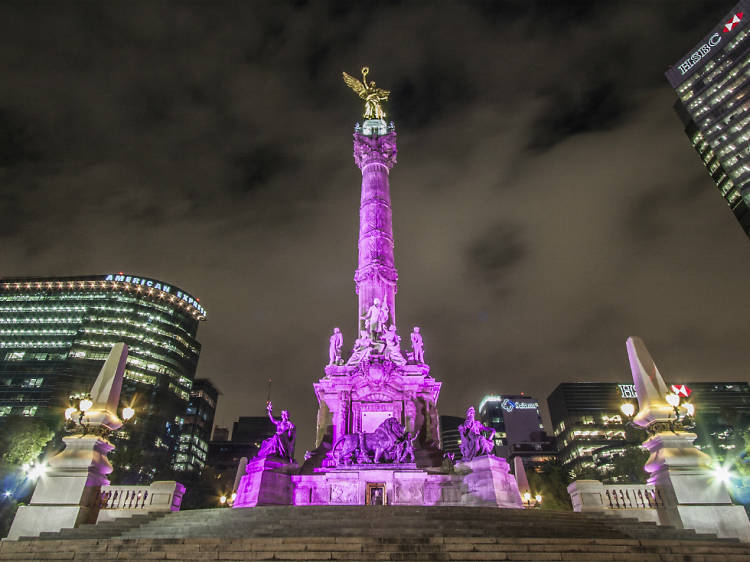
(716, 40)
(702, 51)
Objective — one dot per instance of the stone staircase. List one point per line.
(374, 533)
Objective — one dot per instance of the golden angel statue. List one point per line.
(373, 96)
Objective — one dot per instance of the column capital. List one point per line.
(375, 150)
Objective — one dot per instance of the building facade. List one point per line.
(592, 432)
(55, 334)
(712, 83)
(224, 454)
(519, 431)
(195, 433)
(449, 437)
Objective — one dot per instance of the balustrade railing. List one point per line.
(159, 496)
(592, 495)
(632, 496)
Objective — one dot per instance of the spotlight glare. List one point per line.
(722, 474)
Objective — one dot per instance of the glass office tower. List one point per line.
(56, 332)
(712, 82)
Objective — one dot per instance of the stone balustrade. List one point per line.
(125, 501)
(626, 500)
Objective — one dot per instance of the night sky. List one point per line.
(547, 203)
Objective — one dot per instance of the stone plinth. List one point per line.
(488, 482)
(404, 484)
(693, 498)
(67, 496)
(267, 481)
(680, 473)
(485, 481)
(587, 496)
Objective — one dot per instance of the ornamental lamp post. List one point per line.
(69, 493)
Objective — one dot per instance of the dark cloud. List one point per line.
(498, 250)
(600, 106)
(209, 145)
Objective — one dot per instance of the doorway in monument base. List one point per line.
(371, 420)
(375, 493)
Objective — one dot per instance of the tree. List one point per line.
(628, 467)
(23, 439)
(552, 483)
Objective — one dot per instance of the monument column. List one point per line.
(376, 276)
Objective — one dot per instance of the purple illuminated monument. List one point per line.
(377, 424)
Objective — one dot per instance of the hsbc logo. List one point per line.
(729, 26)
(681, 390)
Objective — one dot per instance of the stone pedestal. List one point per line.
(587, 496)
(68, 494)
(693, 497)
(267, 481)
(488, 482)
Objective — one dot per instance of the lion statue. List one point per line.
(358, 447)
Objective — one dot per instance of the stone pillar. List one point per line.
(587, 495)
(67, 496)
(693, 498)
(376, 274)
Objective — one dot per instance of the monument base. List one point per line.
(267, 481)
(68, 495)
(484, 481)
(31, 520)
(488, 482)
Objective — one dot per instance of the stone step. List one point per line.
(409, 523)
(373, 549)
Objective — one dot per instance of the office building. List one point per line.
(195, 433)
(449, 436)
(248, 433)
(519, 431)
(56, 332)
(592, 432)
(712, 83)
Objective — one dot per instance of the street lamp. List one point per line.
(82, 408)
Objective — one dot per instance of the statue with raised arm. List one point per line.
(393, 347)
(335, 346)
(473, 441)
(374, 97)
(282, 443)
(417, 346)
(372, 319)
(362, 348)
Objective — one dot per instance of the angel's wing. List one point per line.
(355, 85)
